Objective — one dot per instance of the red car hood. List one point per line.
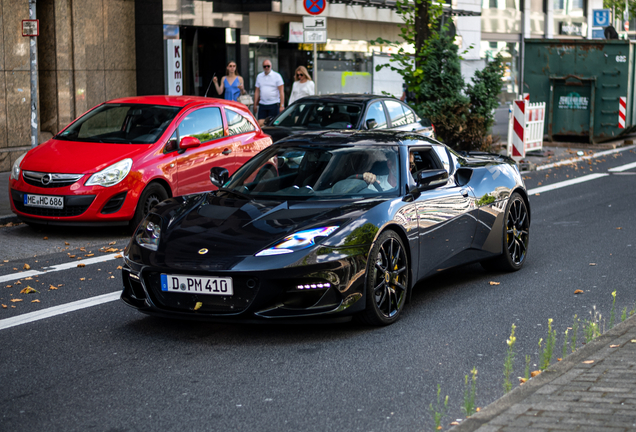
(71, 157)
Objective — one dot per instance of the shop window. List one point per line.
(205, 124)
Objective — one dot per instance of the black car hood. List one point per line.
(278, 132)
(232, 228)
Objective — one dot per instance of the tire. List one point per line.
(387, 281)
(150, 197)
(515, 237)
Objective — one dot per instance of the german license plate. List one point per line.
(197, 284)
(43, 201)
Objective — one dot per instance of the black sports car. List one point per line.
(327, 225)
(346, 111)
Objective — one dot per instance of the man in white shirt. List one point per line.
(269, 98)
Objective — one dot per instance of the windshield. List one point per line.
(320, 115)
(121, 123)
(319, 172)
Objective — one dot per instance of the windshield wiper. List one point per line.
(237, 193)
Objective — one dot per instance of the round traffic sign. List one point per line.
(315, 7)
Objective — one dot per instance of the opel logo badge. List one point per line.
(46, 179)
(203, 251)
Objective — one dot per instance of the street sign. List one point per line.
(598, 34)
(315, 36)
(314, 23)
(314, 7)
(31, 27)
(600, 17)
(626, 25)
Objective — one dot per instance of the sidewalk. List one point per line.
(593, 389)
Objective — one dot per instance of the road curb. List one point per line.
(555, 371)
(9, 218)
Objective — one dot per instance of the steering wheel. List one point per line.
(375, 183)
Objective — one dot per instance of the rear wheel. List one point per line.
(516, 235)
(150, 197)
(387, 280)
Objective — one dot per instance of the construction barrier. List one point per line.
(525, 128)
(622, 105)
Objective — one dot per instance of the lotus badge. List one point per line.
(203, 251)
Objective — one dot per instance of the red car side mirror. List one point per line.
(189, 142)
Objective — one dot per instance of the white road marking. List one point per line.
(582, 158)
(59, 267)
(565, 183)
(622, 167)
(58, 310)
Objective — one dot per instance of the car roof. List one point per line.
(176, 101)
(360, 98)
(356, 137)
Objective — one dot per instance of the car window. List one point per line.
(410, 115)
(397, 114)
(205, 124)
(236, 123)
(376, 113)
(320, 115)
(444, 157)
(172, 144)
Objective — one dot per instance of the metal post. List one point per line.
(33, 60)
(315, 71)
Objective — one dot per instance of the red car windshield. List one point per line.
(121, 123)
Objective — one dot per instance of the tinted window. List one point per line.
(172, 143)
(236, 123)
(376, 112)
(397, 114)
(121, 123)
(205, 124)
(320, 115)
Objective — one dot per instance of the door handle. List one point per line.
(227, 151)
(464, 192)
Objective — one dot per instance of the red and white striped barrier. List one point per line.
(622, 107)
(518, 129)
(525, 130)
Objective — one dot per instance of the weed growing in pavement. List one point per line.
(469, 393)
(575, 329)
(545, 355)
(592, 326)
(526, 373)
(624, 314)
(439, 410)
(613, 310)
(565, 344)
(510, 358)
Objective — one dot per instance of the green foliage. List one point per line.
(509, 361)
(613, 310)
(575, 329)
(469, 393)
(439, 410)
(546, 353)
(526, 373)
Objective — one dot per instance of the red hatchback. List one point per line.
(114, 163)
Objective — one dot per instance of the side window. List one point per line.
(444, 157)
(205, 124)
(236, 123)
(397, 114)
(172, 143)
(376, 113)
(421, 159)
(410, 115)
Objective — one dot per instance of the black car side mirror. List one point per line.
(371, 124)
(268, 121)
(218, 176)
(430, 179)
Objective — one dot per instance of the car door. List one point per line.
(446, 223)
(244, 140)
(193, 164)
(401, 116)
(375, 117)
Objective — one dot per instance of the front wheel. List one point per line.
(515, 237)
(150, 197)
(387, 280)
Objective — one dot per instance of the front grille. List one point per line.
(73, 205)
(238, 302)
(51, 180)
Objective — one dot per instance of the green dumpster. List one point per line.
(581, 82)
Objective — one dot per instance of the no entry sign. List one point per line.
(315, 7)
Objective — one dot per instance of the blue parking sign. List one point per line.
(600, 17)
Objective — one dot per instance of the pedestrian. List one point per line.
(269, 98)
(231, 83)
(303, 85)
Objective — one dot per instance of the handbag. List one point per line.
(246, 99)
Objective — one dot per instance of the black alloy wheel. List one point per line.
(387, 280)
(150, 197)
(516, 237)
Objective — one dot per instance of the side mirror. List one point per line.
(218, 176)
(268, 121)
(371, 124)
(430, 179)
(189, 142)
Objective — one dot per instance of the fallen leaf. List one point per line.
(111, 277)
(82, 279)
(81, 265)
(558, 359)
(614, 346)
(15, 300)
(4, 306)
(535, 373)
(59, 285)
(15, 268)
(119, 256)
(28, 290)
(18, 283)
(111, 250)
(537, 194)
(71, 256)
(439, 428)
(619, 228)
(119, 267)
(35, 301)
(494, 283)
(83, 249)
(112, 243)
(45, 238)
(578, 291)
(477, 409)
(66, 243)
(198, 305)
(29, 278)
(89, 255)
(26, 267)
(592, 264)
(633, 341)
(454, 423)
(9, 286)
(588, 361)
(79, 258)
(522, 380)
(5, 261)
(52, 287)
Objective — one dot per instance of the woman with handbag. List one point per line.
(303, 85)
(231, 83)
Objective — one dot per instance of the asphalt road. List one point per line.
(109, 368)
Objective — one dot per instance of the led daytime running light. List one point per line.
(298, 241)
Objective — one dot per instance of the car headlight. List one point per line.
(149, 232)
(298, 241)
(15, 170)
(112, 175)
